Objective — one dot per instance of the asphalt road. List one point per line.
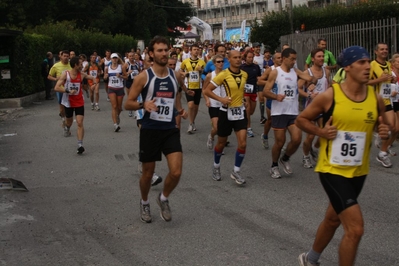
(84, 210)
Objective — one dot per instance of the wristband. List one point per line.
(141, 105)
(67, 90)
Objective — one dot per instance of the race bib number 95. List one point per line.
(348, 148)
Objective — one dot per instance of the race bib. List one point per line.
(249, 88)
(134, 73)
(289, 92)
(114, 81)
(319, 87)
(165, 110)
(386, 90)
(73, 87)
(93, 73)
(235, 113)
(348, 148)
(194, 76)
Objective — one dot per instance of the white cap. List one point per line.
(114, 55)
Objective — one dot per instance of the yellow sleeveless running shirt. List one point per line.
(376, 71)
(234, 84)
(194, 77)
(348, 154)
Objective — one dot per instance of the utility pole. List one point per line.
(290, 16)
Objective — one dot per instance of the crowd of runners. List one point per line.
(233, 81)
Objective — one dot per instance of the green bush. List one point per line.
(25, 60)
(29, 50)
(65, 36)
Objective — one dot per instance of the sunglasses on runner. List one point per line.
(219, 61)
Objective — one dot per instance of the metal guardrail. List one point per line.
(366, 34)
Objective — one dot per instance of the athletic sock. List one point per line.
(313, 256)
(145, 202)
(240, 154)
(163, 198)
(80, 143)
(217, 155)
(382, 153)
(285, 157)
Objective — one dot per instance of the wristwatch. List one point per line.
(67, 90)
(141, 105)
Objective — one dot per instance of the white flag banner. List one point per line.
(224, 30)
(242, 34)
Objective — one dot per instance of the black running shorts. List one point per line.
(342, 191)
(154, 142)
(78, 111)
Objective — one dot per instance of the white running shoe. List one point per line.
(209, 143)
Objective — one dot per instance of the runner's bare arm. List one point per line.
(267, 90)
(135, 90)
(208, 91)
(318, 106)
(59, 86)
(262, 79)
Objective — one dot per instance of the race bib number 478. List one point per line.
(164, 112)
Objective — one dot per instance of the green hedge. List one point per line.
(65, 36)
(25, 59)
(29, 50)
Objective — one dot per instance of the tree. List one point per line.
(142, 19)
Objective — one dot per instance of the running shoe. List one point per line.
(190, 129)
(303, 260)
(391, 152)
(286, 166)
(194, 128)
(384, 160)
(216, 174)
(80, 150)
(97, 107)
(67, 132)
(92, 106)
(130, 113)
(275, 172)
(263, 120)
(265, 141)
(166, 214)
(283, 149)
(145, 213)
(314, 153)
(108, 99)
(237, 178)
(117, 128)
(156, 179)
(250, 133)
(209, 143)
(306, 162)
(140, 167)
(377, 140)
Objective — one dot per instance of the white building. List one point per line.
(235, 11)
